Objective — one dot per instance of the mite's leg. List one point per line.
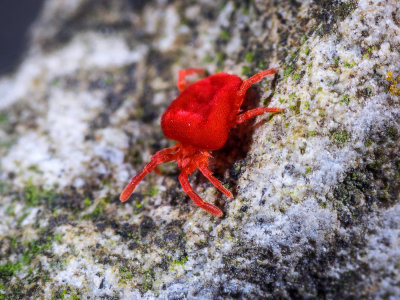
(255, 112)
(208, 174)
(183, 179)
(253, 79)
(182, 83)
(161, 156)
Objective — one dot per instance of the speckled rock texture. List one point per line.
(316, 208)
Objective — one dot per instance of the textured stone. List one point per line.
(316, 205)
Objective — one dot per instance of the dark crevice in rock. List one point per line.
(273, 276)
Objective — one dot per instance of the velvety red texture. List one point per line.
(203, 114)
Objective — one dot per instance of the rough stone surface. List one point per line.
(317, 204)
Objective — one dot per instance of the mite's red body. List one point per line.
(200, 120)
(203, 114)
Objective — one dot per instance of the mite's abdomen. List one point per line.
(202, 115)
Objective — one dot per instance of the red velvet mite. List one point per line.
(200, 120)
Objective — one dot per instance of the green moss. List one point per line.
(346, 8)
(3, 117)
(87, 202)
(227, 186)
(35, 168)
(296, 76)
(34, 248)
(32, 195)
(45, 278)
(220, 58)
(153, 191)
(368, 143)
(97, 211)
(349, 64)
(3, 188)
(13, 241)
(224, 35)
(37, 195)
(307, 51)
(246, 70)
(11, 210)
(138, 208)
(371, 49)
(295, 105)
(208, 59)
(392, 133)
(58, 237)
(375, 165)
(67, 293)
(281, 100)
(148, 281)
(311, 133)
(368, 91)
(62, 294)
(22, 217)
(125, 275)
(232, 261)
(369, 52)
(306, 105)
(345, 99)
(287, 71)
(308, 170)
(336, 60)
(8, 269)
(238, 167)
(181, 261)
(262, 65)
(75, 297)
(341, 137)
(249, 57)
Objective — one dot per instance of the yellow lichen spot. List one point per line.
(393, 88)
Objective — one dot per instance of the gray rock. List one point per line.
(317, 204)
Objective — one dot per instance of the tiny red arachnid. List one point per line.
(200, 119)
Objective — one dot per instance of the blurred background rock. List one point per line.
(16, 18)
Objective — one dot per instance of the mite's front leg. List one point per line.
(183, 179)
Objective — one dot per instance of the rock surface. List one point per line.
(317, 204)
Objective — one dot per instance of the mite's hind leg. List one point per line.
(246, 84)
(182, 83)
(183, 179)
(161, 156)
(208, 174)
(256, 112)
